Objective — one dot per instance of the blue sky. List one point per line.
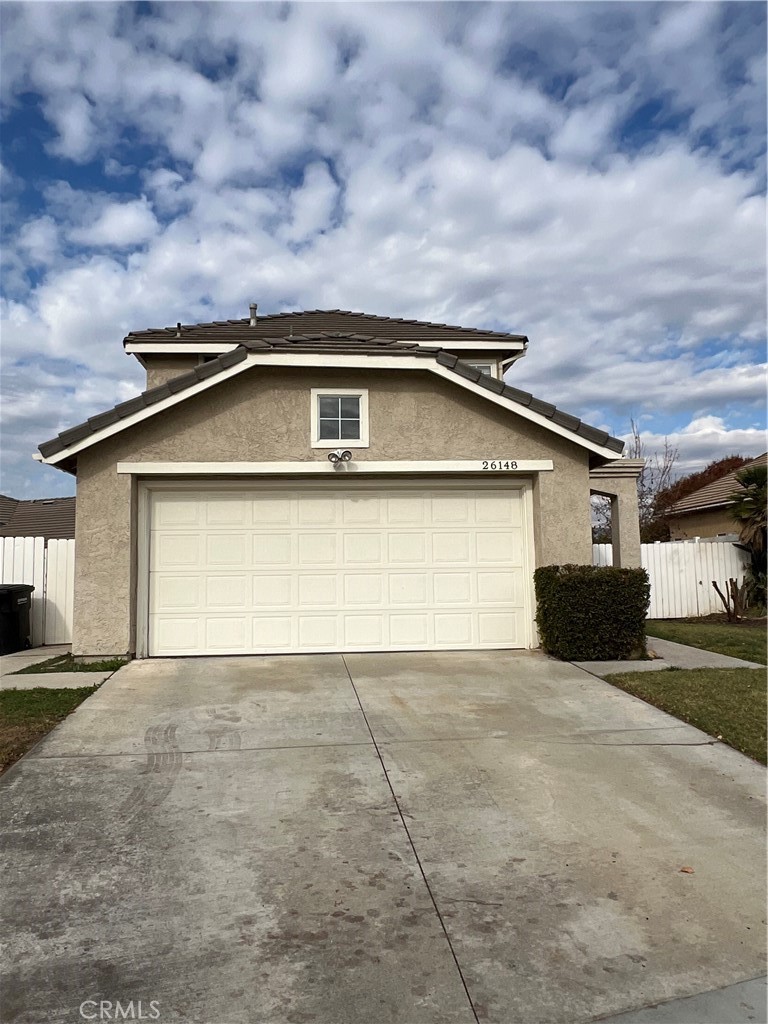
(591, 175)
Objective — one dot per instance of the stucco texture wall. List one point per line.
(163, 368)
(263, 414)
(701, 524)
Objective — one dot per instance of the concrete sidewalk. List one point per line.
(13, 663)
(667, 655)
(743, 1003)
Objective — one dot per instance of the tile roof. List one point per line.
(51, 518)
(714, 495)
(327, 342)
(318, 321)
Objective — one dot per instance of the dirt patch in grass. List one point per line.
(735, 639)
(66, 663)
(727, 703)
(27, 715)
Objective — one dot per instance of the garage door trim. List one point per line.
(146, 488)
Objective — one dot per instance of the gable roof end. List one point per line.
(339, 344)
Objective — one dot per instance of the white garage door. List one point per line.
(268, 571)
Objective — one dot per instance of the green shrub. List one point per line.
(591, 612)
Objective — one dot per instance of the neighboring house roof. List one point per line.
(715, 495)
(318, 321)
(322, 347)
(51, 518)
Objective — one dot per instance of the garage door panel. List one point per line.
(178, 635)
(453, 628)
(234, 511)
(363, 548)
(452, 588)
(227, 549)
(498, 588)
(318, 631)
(499, 547)
(226, 634)
(407, 548)
(451, 509)
(409, 630)
(408, 588)
(364, 589)
(314, 511)
(499, 627)
(173, 593)
(228, 592)
(497, 510)
(282, 571)
(179, 511)
(318, 549)
(317, 590)
(272, 591)
(405, 510)
(364, 630)
(452, 548)
(359, 511)
(179, 549)
(272, 549)
(272, 512)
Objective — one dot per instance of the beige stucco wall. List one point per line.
(264, 414)
(625, 521)
(163, 368)
(701, 524)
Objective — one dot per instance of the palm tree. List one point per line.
(748, 509)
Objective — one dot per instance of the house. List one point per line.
(50, 518)
(704, 513)
(328, 481)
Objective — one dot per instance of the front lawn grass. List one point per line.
(66, 663)
(27, 715)
(747, 642)
(727, 703)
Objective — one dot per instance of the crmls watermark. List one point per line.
(106, 1009)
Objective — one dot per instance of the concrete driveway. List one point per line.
(401, 838)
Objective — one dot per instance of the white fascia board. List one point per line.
(170, 348)
(346, 361)
(338, 469)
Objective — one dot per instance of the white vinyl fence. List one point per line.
(681, 574)
(51, 571)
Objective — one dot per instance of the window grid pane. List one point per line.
(328, 407)
(350, 408)
(338, 417)
(350, 430)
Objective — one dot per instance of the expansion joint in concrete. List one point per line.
(404, 824)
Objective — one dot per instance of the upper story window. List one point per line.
(339, 418)
(489, 369)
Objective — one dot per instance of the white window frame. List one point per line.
(317, 441)
(487, 362)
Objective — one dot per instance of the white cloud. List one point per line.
(704, 439)
(408, 160)
(119, 226)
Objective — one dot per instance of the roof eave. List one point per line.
(60, 450)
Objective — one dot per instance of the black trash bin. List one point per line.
(15, 604)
